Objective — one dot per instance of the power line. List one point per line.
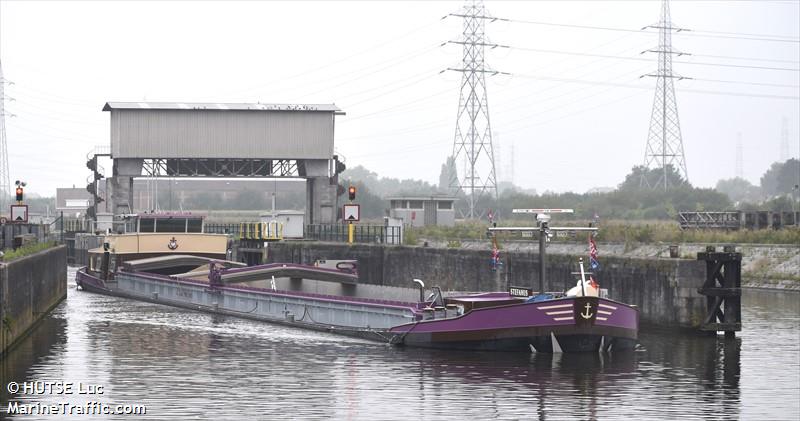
(582, 98)
(709, 34)
(623, 85)
(51, 115)
(777, 85)
(738, 66)
(567, 25)
(746, 58)
(742, 94)
(402, 151)
(434, 124)
(503, 105)
(417, 77)
(359, 76)
(748, 34)
(55, 98)
(392, 90)
(574, 53)
(528, 95)
(347, 58)
(395, 107)
(43, 134)
(394, 131)
(535, 124)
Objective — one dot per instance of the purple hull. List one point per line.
(90, 283)
(577, 323)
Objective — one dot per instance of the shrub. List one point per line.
(9, 254)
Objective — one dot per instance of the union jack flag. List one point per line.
(593, 263)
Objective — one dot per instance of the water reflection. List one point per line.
(188, 365)
(47, 340)
(514, 381)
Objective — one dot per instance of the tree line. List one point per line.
(632, 199)
(778, 189)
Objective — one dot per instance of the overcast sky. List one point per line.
(574, 121)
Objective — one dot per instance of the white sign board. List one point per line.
(542, 211)
(77, 203)
(19, 213)
(352, 213)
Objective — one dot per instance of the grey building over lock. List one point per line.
(73, 201)
(418, 211)
(153, 139)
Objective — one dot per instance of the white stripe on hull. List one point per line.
(551, 313)
(556, 306)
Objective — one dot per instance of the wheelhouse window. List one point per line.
(171, 225)
(194, 225)
(147, 225)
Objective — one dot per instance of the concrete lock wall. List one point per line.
(665, 290)
(29, 288)
(81, 245)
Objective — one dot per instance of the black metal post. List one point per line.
(722, 289)
(62, 227)
(542, 258)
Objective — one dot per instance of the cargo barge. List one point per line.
(188, 269)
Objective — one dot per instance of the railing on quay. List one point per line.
(248, 230)
(735, 220)
(362, 233)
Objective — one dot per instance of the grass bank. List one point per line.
(620, 231)
(9, 254)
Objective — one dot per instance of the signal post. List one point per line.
(351, 213)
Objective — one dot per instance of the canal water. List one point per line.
(184, 365)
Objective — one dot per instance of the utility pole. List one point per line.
(784, 139)
(473, 136)
(739, 156)
(664, 143)
(5, 179)
(513, 158)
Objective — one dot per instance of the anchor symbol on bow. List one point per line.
(587, 314)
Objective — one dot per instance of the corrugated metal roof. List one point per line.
(206, 133)
(219, 106)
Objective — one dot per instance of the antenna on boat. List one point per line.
(583, 278)
(545, 233)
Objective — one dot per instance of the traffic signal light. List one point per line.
(351, 193)
(19, 194)
(340, 167)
